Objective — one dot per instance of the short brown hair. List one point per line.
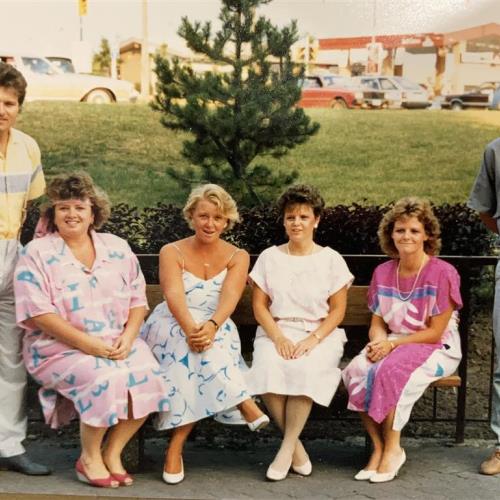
(11, 78)
(301, 194)
(216, 195)
(410, 207)
(77, 186)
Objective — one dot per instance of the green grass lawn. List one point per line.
(357, 156)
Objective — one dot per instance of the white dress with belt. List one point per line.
(299, 288)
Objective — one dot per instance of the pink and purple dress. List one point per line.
(400, 379)
(49, 279)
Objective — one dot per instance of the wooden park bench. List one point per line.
(357, 315)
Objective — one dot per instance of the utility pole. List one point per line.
(145, 70)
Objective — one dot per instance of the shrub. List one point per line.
(348, 229)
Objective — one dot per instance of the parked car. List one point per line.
(486, 95)
(46, 81)
(399, 91)
(365, 96)
(324, 92)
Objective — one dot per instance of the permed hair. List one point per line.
(410, 207)
(301, 194)
(216, 195)
(76, 186)
(11, 78)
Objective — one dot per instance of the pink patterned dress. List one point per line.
(398, 380)
(49, 279)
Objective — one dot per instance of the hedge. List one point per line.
(349, 229)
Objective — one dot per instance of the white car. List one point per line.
(399, 91)
(47, 82)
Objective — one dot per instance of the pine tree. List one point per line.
(236, 117)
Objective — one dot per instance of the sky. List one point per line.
(53, 25)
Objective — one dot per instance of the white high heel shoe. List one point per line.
(384, 477)
(174, 478)
(304, 470)
(258, 423)
(277, 475)
(364, 475)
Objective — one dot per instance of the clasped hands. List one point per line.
(118, 350)
(201, 336)
(378, 349)
(288, 350)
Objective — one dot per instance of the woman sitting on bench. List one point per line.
(80, 295)
(191, 333)
(414, 337)
(299, 299)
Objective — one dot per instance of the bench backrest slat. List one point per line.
(357, 313)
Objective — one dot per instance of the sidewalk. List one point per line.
(434, 470)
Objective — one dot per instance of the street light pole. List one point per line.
(145, 71)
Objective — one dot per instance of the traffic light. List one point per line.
(82, 7)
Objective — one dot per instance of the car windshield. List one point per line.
(38, 65)
(310, 83)
(62, 64)
(407, 84)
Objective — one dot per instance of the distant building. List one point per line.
(443, 62)
(130, 60)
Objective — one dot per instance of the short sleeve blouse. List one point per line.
(300, 286)
(437, 289)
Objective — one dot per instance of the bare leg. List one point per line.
(119, 436)
(297, 411)
(374, 430)
(173, 458)
(392, 445)
(91, 458)
(276, 404)
(250, 410)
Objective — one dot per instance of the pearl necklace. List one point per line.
(402, 297)
(311, 250)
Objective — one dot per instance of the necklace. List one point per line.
(311, 250)
(404, 298)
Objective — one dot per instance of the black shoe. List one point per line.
(23, 464)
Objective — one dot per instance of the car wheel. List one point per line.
(99, 96)
(339, 104)
(456, 106)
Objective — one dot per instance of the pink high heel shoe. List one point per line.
(106, 482)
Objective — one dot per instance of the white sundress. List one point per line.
(202, 384)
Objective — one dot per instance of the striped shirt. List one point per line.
(21, 180)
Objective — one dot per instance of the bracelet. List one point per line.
(317, 335)
(211, 320)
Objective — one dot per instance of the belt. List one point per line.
(308, 325)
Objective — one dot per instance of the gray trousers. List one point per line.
(12, 372)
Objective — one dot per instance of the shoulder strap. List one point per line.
(180, 254)
(232, 255)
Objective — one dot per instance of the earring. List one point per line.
(315, 226)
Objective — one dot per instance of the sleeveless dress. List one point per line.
(399, 380)
(202, 384)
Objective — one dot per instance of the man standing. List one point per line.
(21, 180)
(485, 198)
